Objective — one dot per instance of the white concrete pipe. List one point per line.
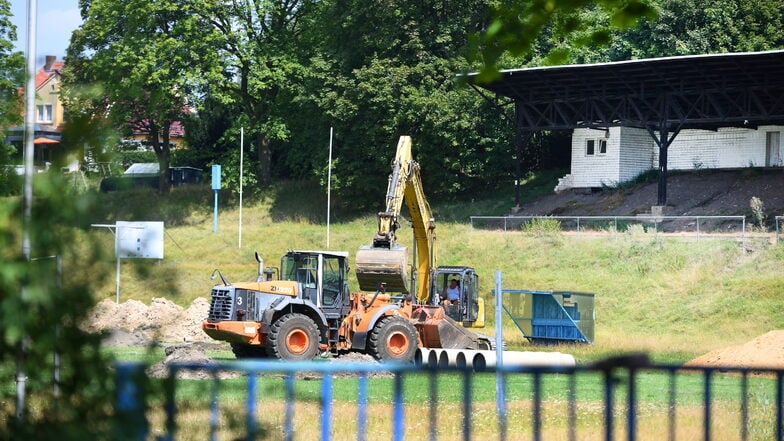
(465, 359)
(421, 356)
(448, 357)
(486, 360)
(432, 358)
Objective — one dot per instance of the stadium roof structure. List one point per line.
(662, 95)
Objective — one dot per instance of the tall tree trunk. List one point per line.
(264, 171)
(159, 138)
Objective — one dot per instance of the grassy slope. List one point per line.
(675, 297)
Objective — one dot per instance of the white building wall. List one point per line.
(599, 169)
(725, 148)
(636, 154)
(631, 151)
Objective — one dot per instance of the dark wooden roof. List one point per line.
(697, 91)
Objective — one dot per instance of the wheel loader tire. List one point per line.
(248, 351)
(293, 337)
(393, 339)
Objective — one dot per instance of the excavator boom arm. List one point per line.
(386, 261)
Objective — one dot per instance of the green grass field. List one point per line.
(673, 298)
(676, 298)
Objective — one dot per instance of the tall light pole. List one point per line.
(32, 15)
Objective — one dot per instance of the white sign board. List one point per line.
(139, 240)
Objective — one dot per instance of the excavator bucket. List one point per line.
(388, 265)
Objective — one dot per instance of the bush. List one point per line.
(541, 226)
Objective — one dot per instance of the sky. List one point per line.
(56, 20)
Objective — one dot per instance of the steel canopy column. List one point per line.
(522, 138)
(666, 134)
(664, 146)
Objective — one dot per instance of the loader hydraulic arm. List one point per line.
(375, 264)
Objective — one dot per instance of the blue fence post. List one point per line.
(671, 408)
(706, 419)
(250, 407)
(214, 415)
(500, 383)
(170, 407)
(326, 407)
(631, 413)
(288, 425)
(362, 402)
(536, 409)
(467, 397)
(572, 409)
(744, 406)
(779, 412)
(398, 418)
(131, 421)
(433, 407)
(609, 405)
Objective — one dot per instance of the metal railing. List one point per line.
(622, 398)
(698, 225)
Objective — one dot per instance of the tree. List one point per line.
(388, 69)
(702, 26)
(140, 56)
(259, 62)
(11, 71)
(516, 27)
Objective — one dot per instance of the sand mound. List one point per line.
(765, 351)
(193, 354)
(162, 320)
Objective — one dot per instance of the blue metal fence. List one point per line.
(625, 389)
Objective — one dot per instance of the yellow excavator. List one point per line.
(304, 307)
(385, 260)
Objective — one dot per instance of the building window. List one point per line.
(595, 147)
(44, 113)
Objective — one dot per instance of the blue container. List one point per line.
(549, 317)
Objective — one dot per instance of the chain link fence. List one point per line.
(727, 227)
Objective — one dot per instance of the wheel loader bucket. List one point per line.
(388, 265)
(438, 330)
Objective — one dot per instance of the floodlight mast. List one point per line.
(32, 15)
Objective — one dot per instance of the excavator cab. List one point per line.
(470, 308)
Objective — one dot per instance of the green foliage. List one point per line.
(115, 68)
(758, 212)
(10, 182)
(389, 71)
(40, 313)
(11, 72)
(541, 226)
(516, 27)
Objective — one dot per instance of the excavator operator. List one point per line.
(451, 295)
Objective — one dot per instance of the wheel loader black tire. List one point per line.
(293, 337)
(248, 351)
(393, 339)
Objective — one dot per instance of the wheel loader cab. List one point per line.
(322, 276)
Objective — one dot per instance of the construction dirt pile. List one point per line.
(193, 355)
(765, 351)
(132, 323)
